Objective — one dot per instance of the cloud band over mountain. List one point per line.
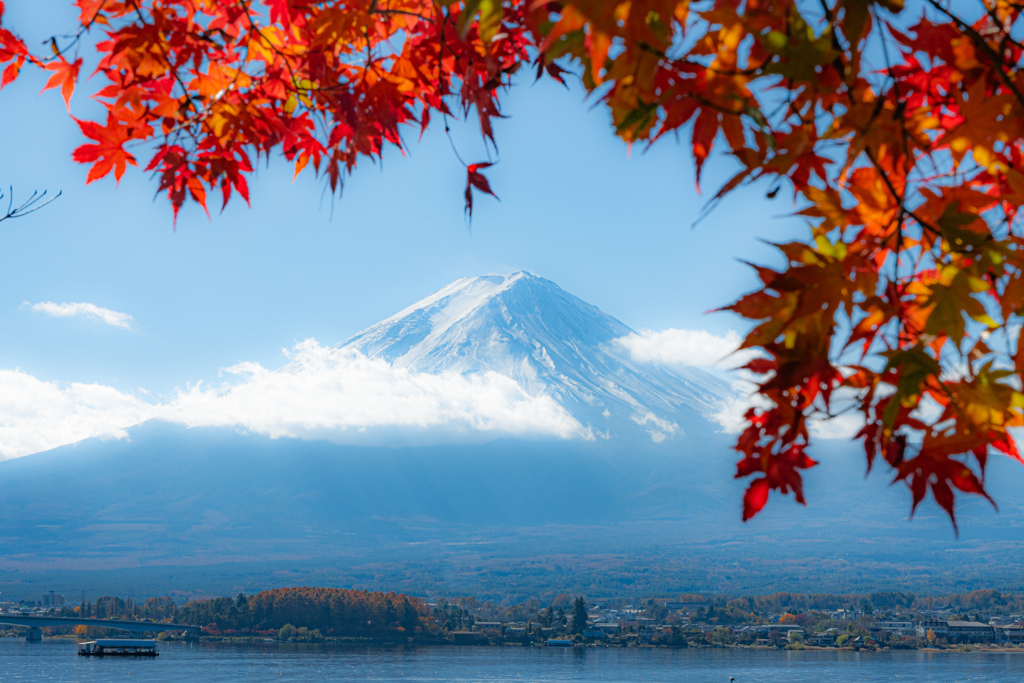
(325, 392)
(329, 390)
(678, 347)
(36, 415)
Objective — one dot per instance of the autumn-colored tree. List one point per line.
(332, 610)
(898, 132)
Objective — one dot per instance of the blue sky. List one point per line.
(613, 229)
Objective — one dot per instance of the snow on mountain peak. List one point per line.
(550, 342)
(460, 298)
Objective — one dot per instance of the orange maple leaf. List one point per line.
(65, 74)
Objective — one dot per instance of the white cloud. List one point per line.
(841, 427)
(327, 390)
(656, 428)
(731, 418)
(324, 392)
(680, 347)
(86, 310)
(36, 415)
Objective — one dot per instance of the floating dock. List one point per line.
(118, 647)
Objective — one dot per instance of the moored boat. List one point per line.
(118, 647)
(559, 642)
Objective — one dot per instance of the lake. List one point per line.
(57, 660)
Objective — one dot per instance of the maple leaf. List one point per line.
(553, 70)
(476, 179)
(755, 498)
(781, 470)
(279, 11)
(705, 128)
(107, 153)
(932, 469)
(64, 76)
(11, 72)
(13, 50)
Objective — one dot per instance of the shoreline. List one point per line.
(359, 642)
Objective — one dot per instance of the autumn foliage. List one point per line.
(334, 611)
(898, 132)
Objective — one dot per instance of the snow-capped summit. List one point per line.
(550, 342)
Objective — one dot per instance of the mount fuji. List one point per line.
(643, 487)
(551, 343)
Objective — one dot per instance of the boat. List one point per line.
(117, 647)
(559, 642)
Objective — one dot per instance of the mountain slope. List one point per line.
(206, 497)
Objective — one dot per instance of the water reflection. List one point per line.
(56, 660)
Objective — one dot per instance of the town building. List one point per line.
(901, 627)
(826, 639)
(769, 628)
(52, 599)
(690, 606)
(487, 625)
(1012, 633)
(970, 632)
(957, 631)
(939, 627)
(845, 614)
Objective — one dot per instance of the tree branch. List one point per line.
(31, 205)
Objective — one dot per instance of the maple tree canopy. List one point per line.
(901, 138)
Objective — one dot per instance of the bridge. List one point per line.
(35, 623)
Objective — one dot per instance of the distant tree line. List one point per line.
(312, 613)
(987, 600)
(454, 615)
(725, 610)
(108, 606)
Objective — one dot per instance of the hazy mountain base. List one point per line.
(495, 576)
(208, 512)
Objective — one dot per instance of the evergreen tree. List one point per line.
(579, 615)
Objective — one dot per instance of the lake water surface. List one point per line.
(56, 660)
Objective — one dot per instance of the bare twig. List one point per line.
(35, 202)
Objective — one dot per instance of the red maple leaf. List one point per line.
(108, 153)
(474, 178)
